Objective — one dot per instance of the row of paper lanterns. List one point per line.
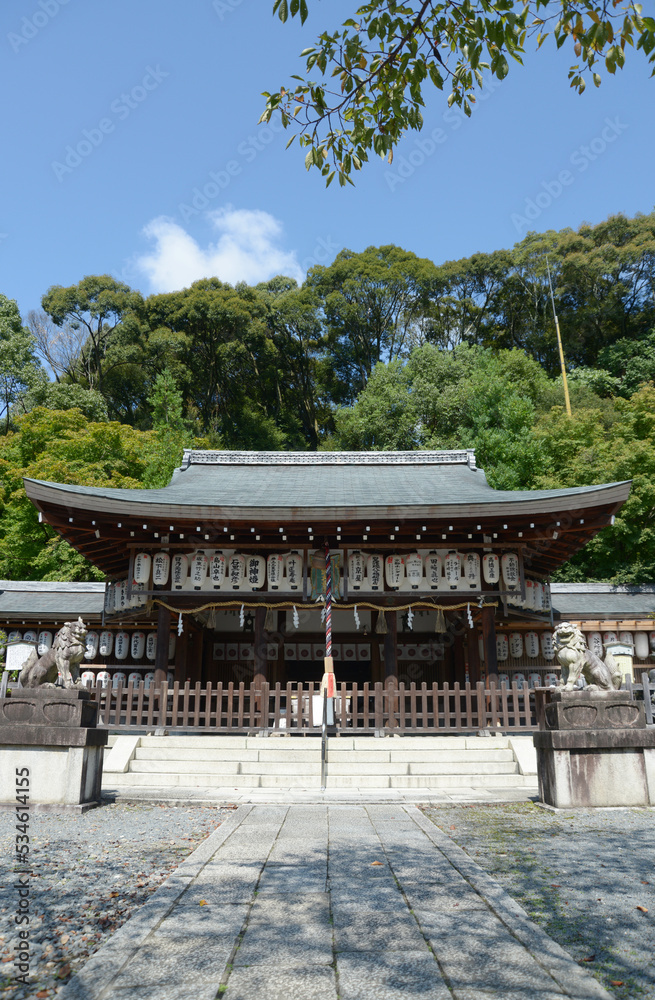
(203, 570)
(643, 642)
(135, 644)
(103, 677)
(532, 681)
(516, 644)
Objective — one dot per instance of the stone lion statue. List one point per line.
(577, 660)
(61, 660)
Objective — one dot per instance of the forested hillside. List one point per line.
(381, 349)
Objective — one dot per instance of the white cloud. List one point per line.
(247, 249)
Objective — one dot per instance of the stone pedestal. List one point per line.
(595, 750)
(52, 732)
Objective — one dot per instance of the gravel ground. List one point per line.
(586, 877)
(89, 873)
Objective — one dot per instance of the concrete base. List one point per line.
(58, 776)
(575, 773)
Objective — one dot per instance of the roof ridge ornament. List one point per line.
(455, 457)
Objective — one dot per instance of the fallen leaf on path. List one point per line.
(203, 902)
(377, 862)
(64, 971)
(643, 909)
(589, 958)
(616, 982)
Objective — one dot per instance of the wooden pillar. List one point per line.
(489, 638)
(473, 655)
(459, 658)
(161, 656)
(261, 661)
(181, 657)
(391, 649)
(376, 665)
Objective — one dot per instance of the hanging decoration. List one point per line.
(161, 566)
(472, 570)
(453, 570)
(137, 645)
(414, 570)
(142, 563)
(381, 624)
(641, 645)
(242, 616)
(255, 571)
(469, 615)
(151, 645)
(538, 595)
(433, 570)
(293, 564)
(269, 621)
(274, 570)
(532, 644)
(44, 642)
(510, 566)
(328, 683)
(375, 567)
(357, 622)
(180, 571)
(296, 617)
(547, 648)
(199, 564)
(180, 625)
(502, 648)
(491, 567)
(122, 645)
(91, 645)
(595, 643)
(106, 643)
(236, 570)
(440, 625)
(394, 571)
(516, 645)
(356, 565)
(410, 620)
(217, 569)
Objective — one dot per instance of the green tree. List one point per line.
(19, 367)
(365, 82)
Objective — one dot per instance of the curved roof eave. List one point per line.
(136, 502)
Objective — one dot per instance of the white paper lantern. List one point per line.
(491, 567)
(118, 678)
(217, 569)
(374, 569)
(88, 678)
(609, 637)
(138, 598)
(109, 598)
(199, 567)
(502, 679)
(274, 570)
(44, 642)
(122, 645)
(171, 645)
(538, 595)
(394, 571)
(641, 645)
(534, 680)
(120, 603)
(134, 678)
(236, 570)
(433, 570)
(137, 645)
(15, 637)
(356, 570)
(293, 565)
(453, 570)
(532, 644)
(255, 571)
(149, 680)
(472, 570)
(546, 597)
(595, 643)
(161, 567)
(151, 645)
(502, 647)
(179, 571)
(170, 678)
(30, 636)
(91, 643)
(414, 570)
(516, 645)
(551, 680)
(142, 563)
(510, 567)
(106, 643)
(626, 637)
(519, 680)
(103, 678)
(547, 647)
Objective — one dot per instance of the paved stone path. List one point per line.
(315, 902)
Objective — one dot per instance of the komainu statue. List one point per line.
(61, 660)
(578, 660)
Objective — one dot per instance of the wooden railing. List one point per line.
(358, 708)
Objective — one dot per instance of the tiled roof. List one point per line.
(599, 600)
(50, 599)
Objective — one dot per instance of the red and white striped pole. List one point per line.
(328, 683)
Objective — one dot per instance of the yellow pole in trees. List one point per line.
(567, 401)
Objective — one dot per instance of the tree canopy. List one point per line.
(365, 82)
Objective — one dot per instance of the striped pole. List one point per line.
(328, 685)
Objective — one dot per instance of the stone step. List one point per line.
(168, 767)
(335, 756)
(245, 781)
(339, 743)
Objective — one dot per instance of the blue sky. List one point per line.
(131, 147)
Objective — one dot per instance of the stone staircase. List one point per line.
(247, 762)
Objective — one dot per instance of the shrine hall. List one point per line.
(220, 577)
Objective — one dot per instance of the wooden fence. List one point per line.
(358, 709)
